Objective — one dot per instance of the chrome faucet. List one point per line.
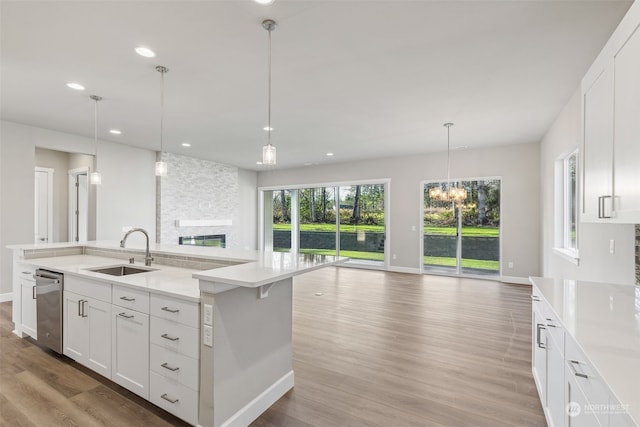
(147, 256)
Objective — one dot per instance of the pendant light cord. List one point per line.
(161, 106)
(269, 94)
(95, 124)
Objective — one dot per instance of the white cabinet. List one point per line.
(597, 143)
(627, 130)
(28, 313)
(611, 128)
(86, 323)
(539, 350)
(175, 353)
(130, 349)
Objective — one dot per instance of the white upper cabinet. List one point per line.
(627, 130)
(611, 128)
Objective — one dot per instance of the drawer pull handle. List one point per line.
(169, 367)
(26, 272)
(551, 325)
(575, 371)
(535, 298)
(169, 337)
(125, 315)
(540, 326)
(168, 399)
(128, 299)
(170, 310)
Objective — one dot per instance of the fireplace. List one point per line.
(213, 240)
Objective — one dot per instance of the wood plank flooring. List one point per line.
(371, 348)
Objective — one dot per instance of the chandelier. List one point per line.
(451, 194)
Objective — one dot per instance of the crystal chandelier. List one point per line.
(451, 194)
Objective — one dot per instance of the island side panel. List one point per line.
(251, 364)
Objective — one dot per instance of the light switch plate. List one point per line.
(208, 314)
(208, 336)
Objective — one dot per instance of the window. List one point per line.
(566, 240)
(570, 208)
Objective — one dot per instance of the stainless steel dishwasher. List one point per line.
(48, 290)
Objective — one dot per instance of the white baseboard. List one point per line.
(6, 297)
(261, 403)
(403, 269)
(516, 280)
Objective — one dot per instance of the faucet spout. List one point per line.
(147, 256)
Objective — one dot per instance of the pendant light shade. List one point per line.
(161, 167)
(269, 151)
(451, 194)
(95, 177)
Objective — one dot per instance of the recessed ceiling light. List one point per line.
(115, 131)
(145, 51)
(258, 162)
(186, 144)
(76, 86)
(329, 154)
(267, 128)
(263, 1)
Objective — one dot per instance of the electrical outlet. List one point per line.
(510, 264)
(208, 314)
(413, 228)
(208, 336)
(394, 256)
(612, 246)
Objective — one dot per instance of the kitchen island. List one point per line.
(206, 334)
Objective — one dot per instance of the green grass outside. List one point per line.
(371, 256)
(466, 263)
(429, 230)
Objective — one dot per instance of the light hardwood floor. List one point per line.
(370, 349)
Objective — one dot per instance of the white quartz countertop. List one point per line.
(270, 267)
(167, 280)
(604, 320)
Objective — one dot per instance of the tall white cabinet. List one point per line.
(611, 128)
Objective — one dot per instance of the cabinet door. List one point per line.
(627, 130)
(28, 304)
(76, 333)
(555, 382)
(577, 413)
(98, 319)
(539, 355)
(130, 350)
(597, 149)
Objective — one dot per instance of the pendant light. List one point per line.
(161, 167)
(269, 151)
(95, 177)
(453, 194)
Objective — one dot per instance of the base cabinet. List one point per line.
(130, 350)
(29, 310)
(86, 323)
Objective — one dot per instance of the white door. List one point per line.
(43, 214)
(78, 204)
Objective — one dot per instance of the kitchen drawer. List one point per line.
(175, 366)
(586, 378)
(93, 289)
(179, 338)
(173, 397)
(26, 272)
(133, 299)
(176, 310)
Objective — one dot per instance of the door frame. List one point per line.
(459, 249)
(49, 172)
(73, 173)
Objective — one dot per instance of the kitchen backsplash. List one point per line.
(638, 254)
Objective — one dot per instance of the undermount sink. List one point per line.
(121, 270)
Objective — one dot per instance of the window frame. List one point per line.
(565, 246)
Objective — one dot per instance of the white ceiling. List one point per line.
(362, 79)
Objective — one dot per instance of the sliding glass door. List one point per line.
(347, 220)
(463, 238)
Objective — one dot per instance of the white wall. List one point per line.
(127, 195)
(517, 165)
(596, 263)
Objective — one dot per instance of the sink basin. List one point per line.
(121, 270)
